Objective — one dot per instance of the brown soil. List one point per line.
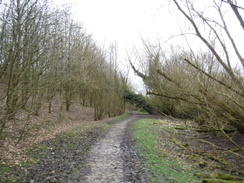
(208, 151)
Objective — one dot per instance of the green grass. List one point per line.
(4, 169)
(72, 133)
(164, 166)
(42, 148)
(142, 111)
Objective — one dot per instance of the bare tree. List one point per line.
(45, 54)
(199, 89)
(212, 24)
(22, 43)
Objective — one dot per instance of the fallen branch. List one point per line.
(220, 181)
(206, 142)
(232, 141)
(226, 150)
(219, 176)
(176, 142)
(236, 149)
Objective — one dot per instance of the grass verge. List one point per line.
(163, 164)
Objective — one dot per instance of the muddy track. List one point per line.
(111, 157)
(97, 155)
(93, 156)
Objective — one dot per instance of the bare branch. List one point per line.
(230, 38)
(143, 76)
(213, 78)
(167, 96)
(175, 98)
(235, 10)
(198, 33)
(230, 98)
(232, 4)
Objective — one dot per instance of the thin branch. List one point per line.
(198, 33)
(164, 75)
(143, 76)
(174, 98)
(238, 15)
(232, 4)
(179, 35)
(228, 137)
(229, 97)
(220, 82)
(167, 96)
(217, 35)
(230, 38)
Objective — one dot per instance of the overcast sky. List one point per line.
(122, 20)
(126, 21)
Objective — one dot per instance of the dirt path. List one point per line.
(96, 155)
(105, 163)
(80, 157)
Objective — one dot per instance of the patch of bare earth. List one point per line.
(25, 131)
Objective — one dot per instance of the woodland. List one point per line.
(207, 85)
(46, 56)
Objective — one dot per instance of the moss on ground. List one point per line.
(177, 157)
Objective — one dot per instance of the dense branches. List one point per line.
(202, 85)
(210, 97)
(44, 54)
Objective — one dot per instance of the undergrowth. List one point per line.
(54, 158)
(164, 166)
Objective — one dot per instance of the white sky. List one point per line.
(126, 21)
(120, 20)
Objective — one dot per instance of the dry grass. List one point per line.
(39, 128)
